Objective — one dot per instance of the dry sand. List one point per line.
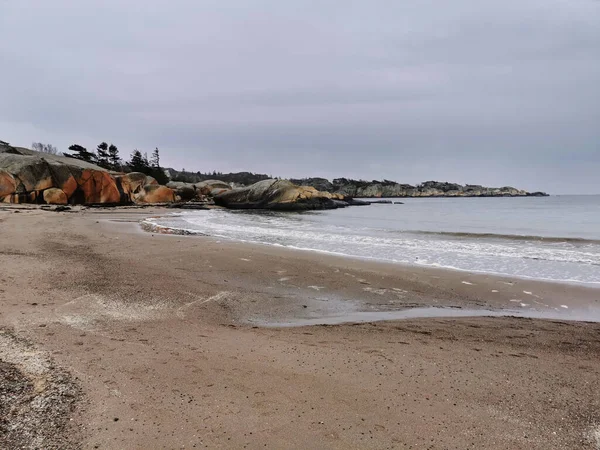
(160, 338)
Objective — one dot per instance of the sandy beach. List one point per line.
(113, 337)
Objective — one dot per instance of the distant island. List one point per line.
(387, 188)
(361, 188)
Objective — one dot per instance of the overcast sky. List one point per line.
(479, 91)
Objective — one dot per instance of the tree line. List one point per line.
(107, 156)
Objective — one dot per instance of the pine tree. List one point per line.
(137, 162)
(113, 157)
(102, 152)
(81, 153)
(155, 161)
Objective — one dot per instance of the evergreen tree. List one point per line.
(102, 155)
(113, 157)
(81, 153)
(137, 162)
(155, 161)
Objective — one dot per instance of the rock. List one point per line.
(8, 184)
(95, 186)
(276, 195)
(386, 188)
(55, 196)
(133, 183)
(27, 176)
(354, 202)
(207, 187)
(186, 191)
(155, 193)
(189, 205)
(321, 184)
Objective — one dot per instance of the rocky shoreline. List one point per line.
(391, 189)
(28, 176)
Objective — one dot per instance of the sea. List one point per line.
(547, 238)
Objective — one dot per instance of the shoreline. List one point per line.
(150, 227)
(157, 333)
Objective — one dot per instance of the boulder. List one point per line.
(133, 183)
(186, 191)
(155, 193)
(206, 187)
(276, 195)
(27, 176)
(96, 186)
(8, 184)
(55, 196)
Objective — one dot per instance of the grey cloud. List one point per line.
(486, 92)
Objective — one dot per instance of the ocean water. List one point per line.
(551, 238)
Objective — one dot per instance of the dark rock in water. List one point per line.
(354, 202)
(279, 195)
(340, 203)
(398, 203)
(380, 202)
(189, 205)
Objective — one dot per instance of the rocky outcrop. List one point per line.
(279, 195)
(155, 193)
(321, 184)
(185, 191)
(212, 187)
(27, 176)
(198, 191)
(386, 188)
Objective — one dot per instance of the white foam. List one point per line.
(521, 258)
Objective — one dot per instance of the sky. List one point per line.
(483, 92)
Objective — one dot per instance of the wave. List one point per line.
(511, 237)
(537, 258)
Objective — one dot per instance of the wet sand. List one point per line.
(164, 337)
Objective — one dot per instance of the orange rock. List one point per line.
(54, 196)
(96, 186)
(25, 197)
(154, 193)
(7, 183)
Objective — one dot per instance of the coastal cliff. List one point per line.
(386, 188)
